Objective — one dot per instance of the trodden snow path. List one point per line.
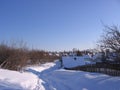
(43, 72)
(49, 76)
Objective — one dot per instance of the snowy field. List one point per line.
(74, 61)
(50, 76)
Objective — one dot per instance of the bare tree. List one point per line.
(111, 39)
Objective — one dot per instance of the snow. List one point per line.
(72, 61)
(50, 76)
(17, 80)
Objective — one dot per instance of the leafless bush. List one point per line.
(12, 57)
(36, 56)
(17, 60)
(16, 56)
(40, 56)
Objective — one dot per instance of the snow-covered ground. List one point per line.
(72, 61)
(50, 76)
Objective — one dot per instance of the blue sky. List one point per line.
(57, 24)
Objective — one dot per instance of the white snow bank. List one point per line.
(17, 80)
(8, 86)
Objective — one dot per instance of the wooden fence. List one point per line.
(106, 68)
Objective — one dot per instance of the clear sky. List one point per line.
(57, 24)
